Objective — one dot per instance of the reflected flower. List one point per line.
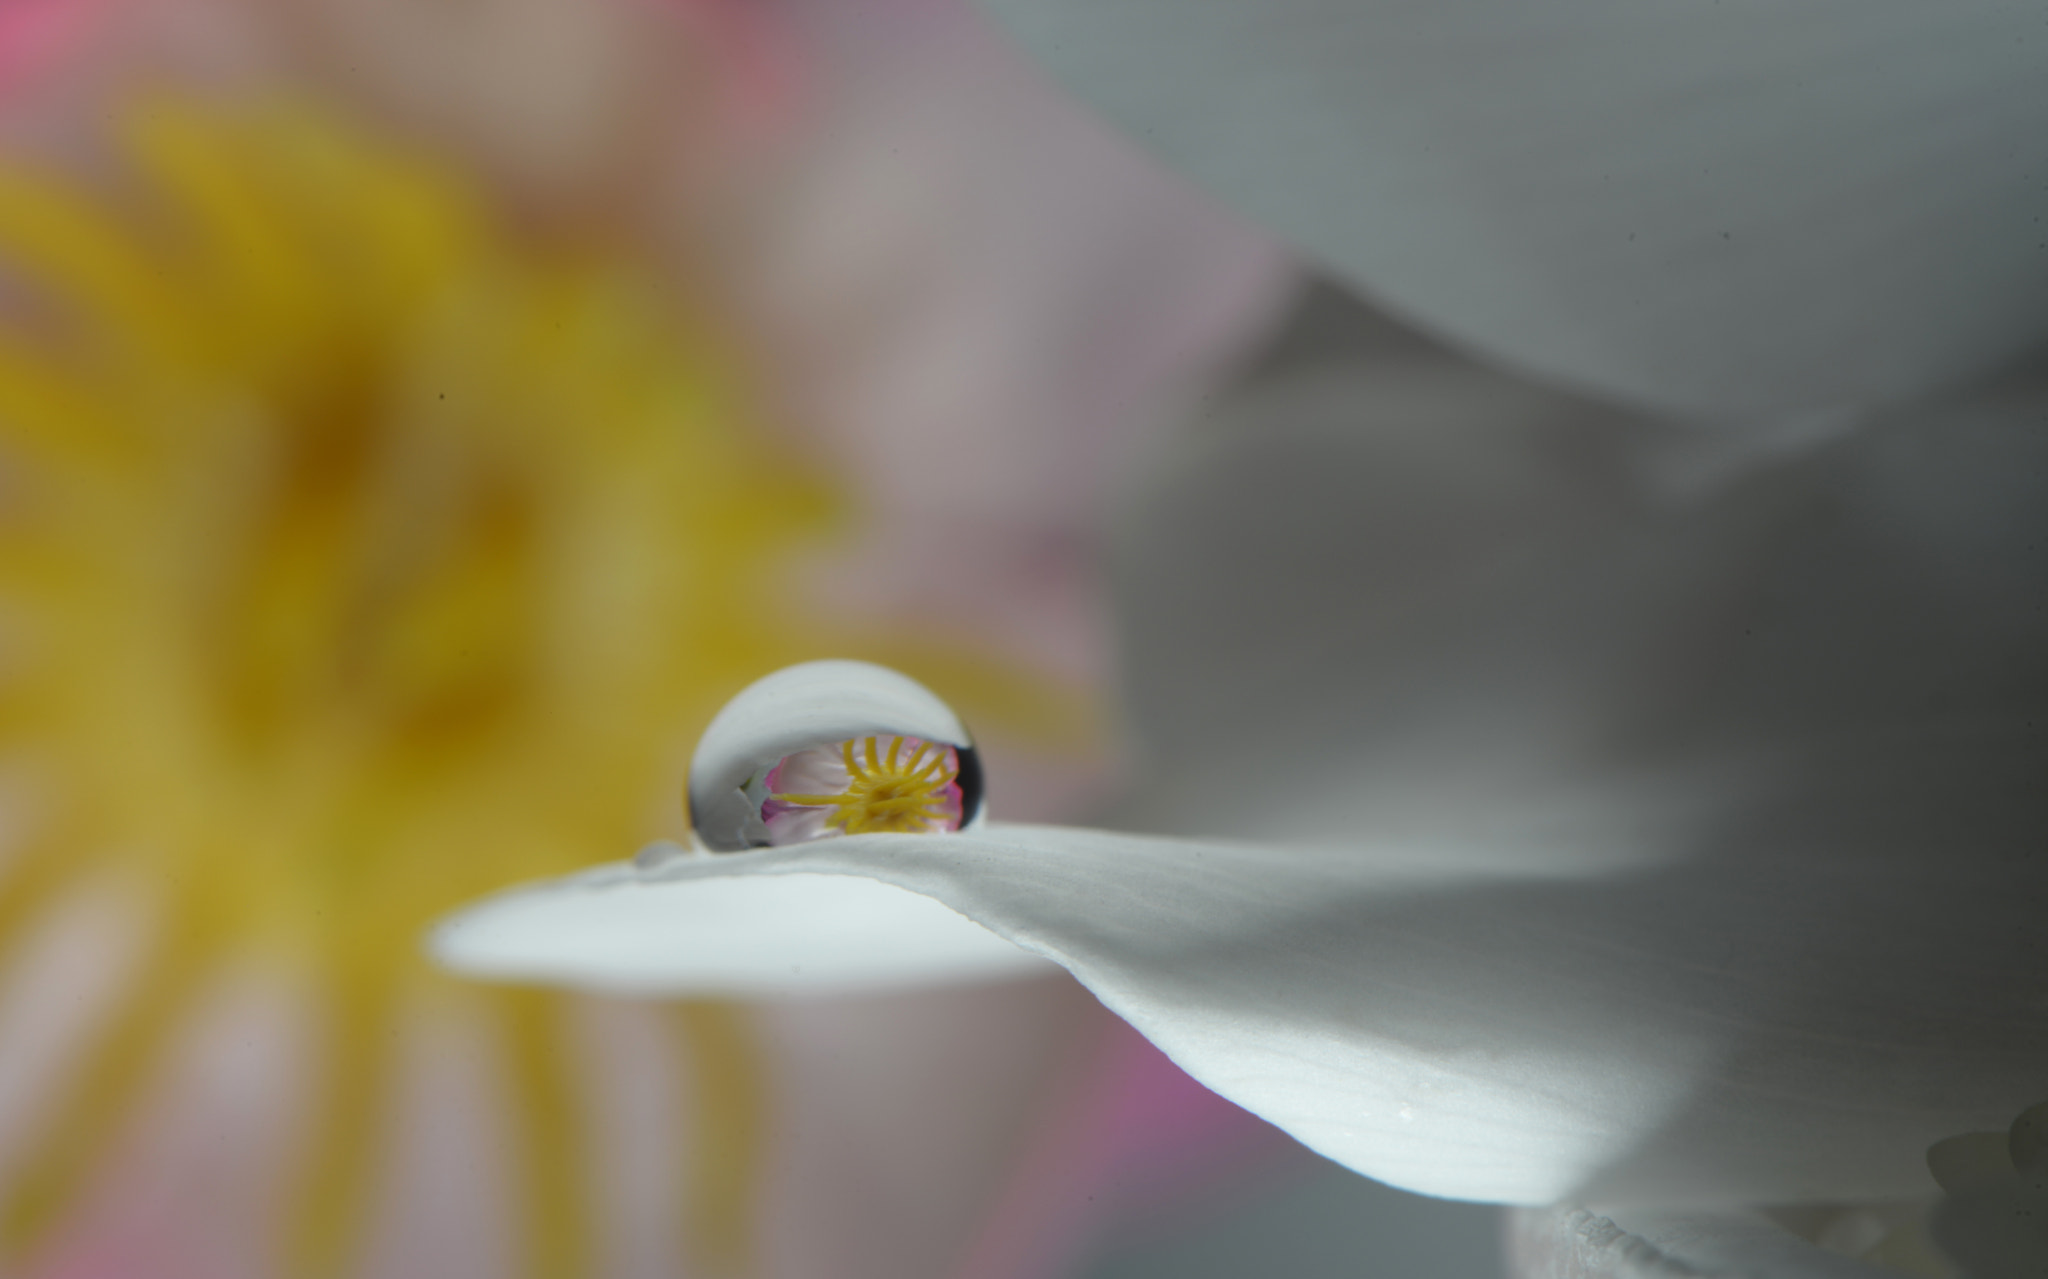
(832, 748)
(863, 788)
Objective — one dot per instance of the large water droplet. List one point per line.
(832, 748)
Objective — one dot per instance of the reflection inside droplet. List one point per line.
(865, 786)
(832, 748)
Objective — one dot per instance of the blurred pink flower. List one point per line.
(973, 304)
(988, 302)
(38, 35)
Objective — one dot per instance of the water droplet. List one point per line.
(832, 748)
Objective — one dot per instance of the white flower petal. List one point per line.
(617, 930)
(1737, 209)
(1572, 1243)
(1694, 857)
(1444, 603)
(1456, 1029)
(1811, 701)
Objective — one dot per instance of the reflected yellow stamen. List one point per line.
(886, 797)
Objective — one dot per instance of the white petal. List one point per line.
(1462, 1030)
(1815, 696)
(1575, 1243)
(1736, 209)
(617, 929)
(1694, 856)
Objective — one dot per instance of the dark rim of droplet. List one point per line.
(969, 781)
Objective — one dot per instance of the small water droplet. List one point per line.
(827, 749)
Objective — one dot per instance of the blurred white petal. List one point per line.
(1735, 209)
(1807, 701)
(612, 929)
(1572, 1243)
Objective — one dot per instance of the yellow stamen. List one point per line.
(887, 797)
(727, 1122)
(103, 1098)
(358, 557)
(357, 1070)
(556, 1167)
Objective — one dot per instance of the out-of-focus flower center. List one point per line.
(357, 558)
(908, 786)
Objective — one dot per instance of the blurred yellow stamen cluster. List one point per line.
(357, 558)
